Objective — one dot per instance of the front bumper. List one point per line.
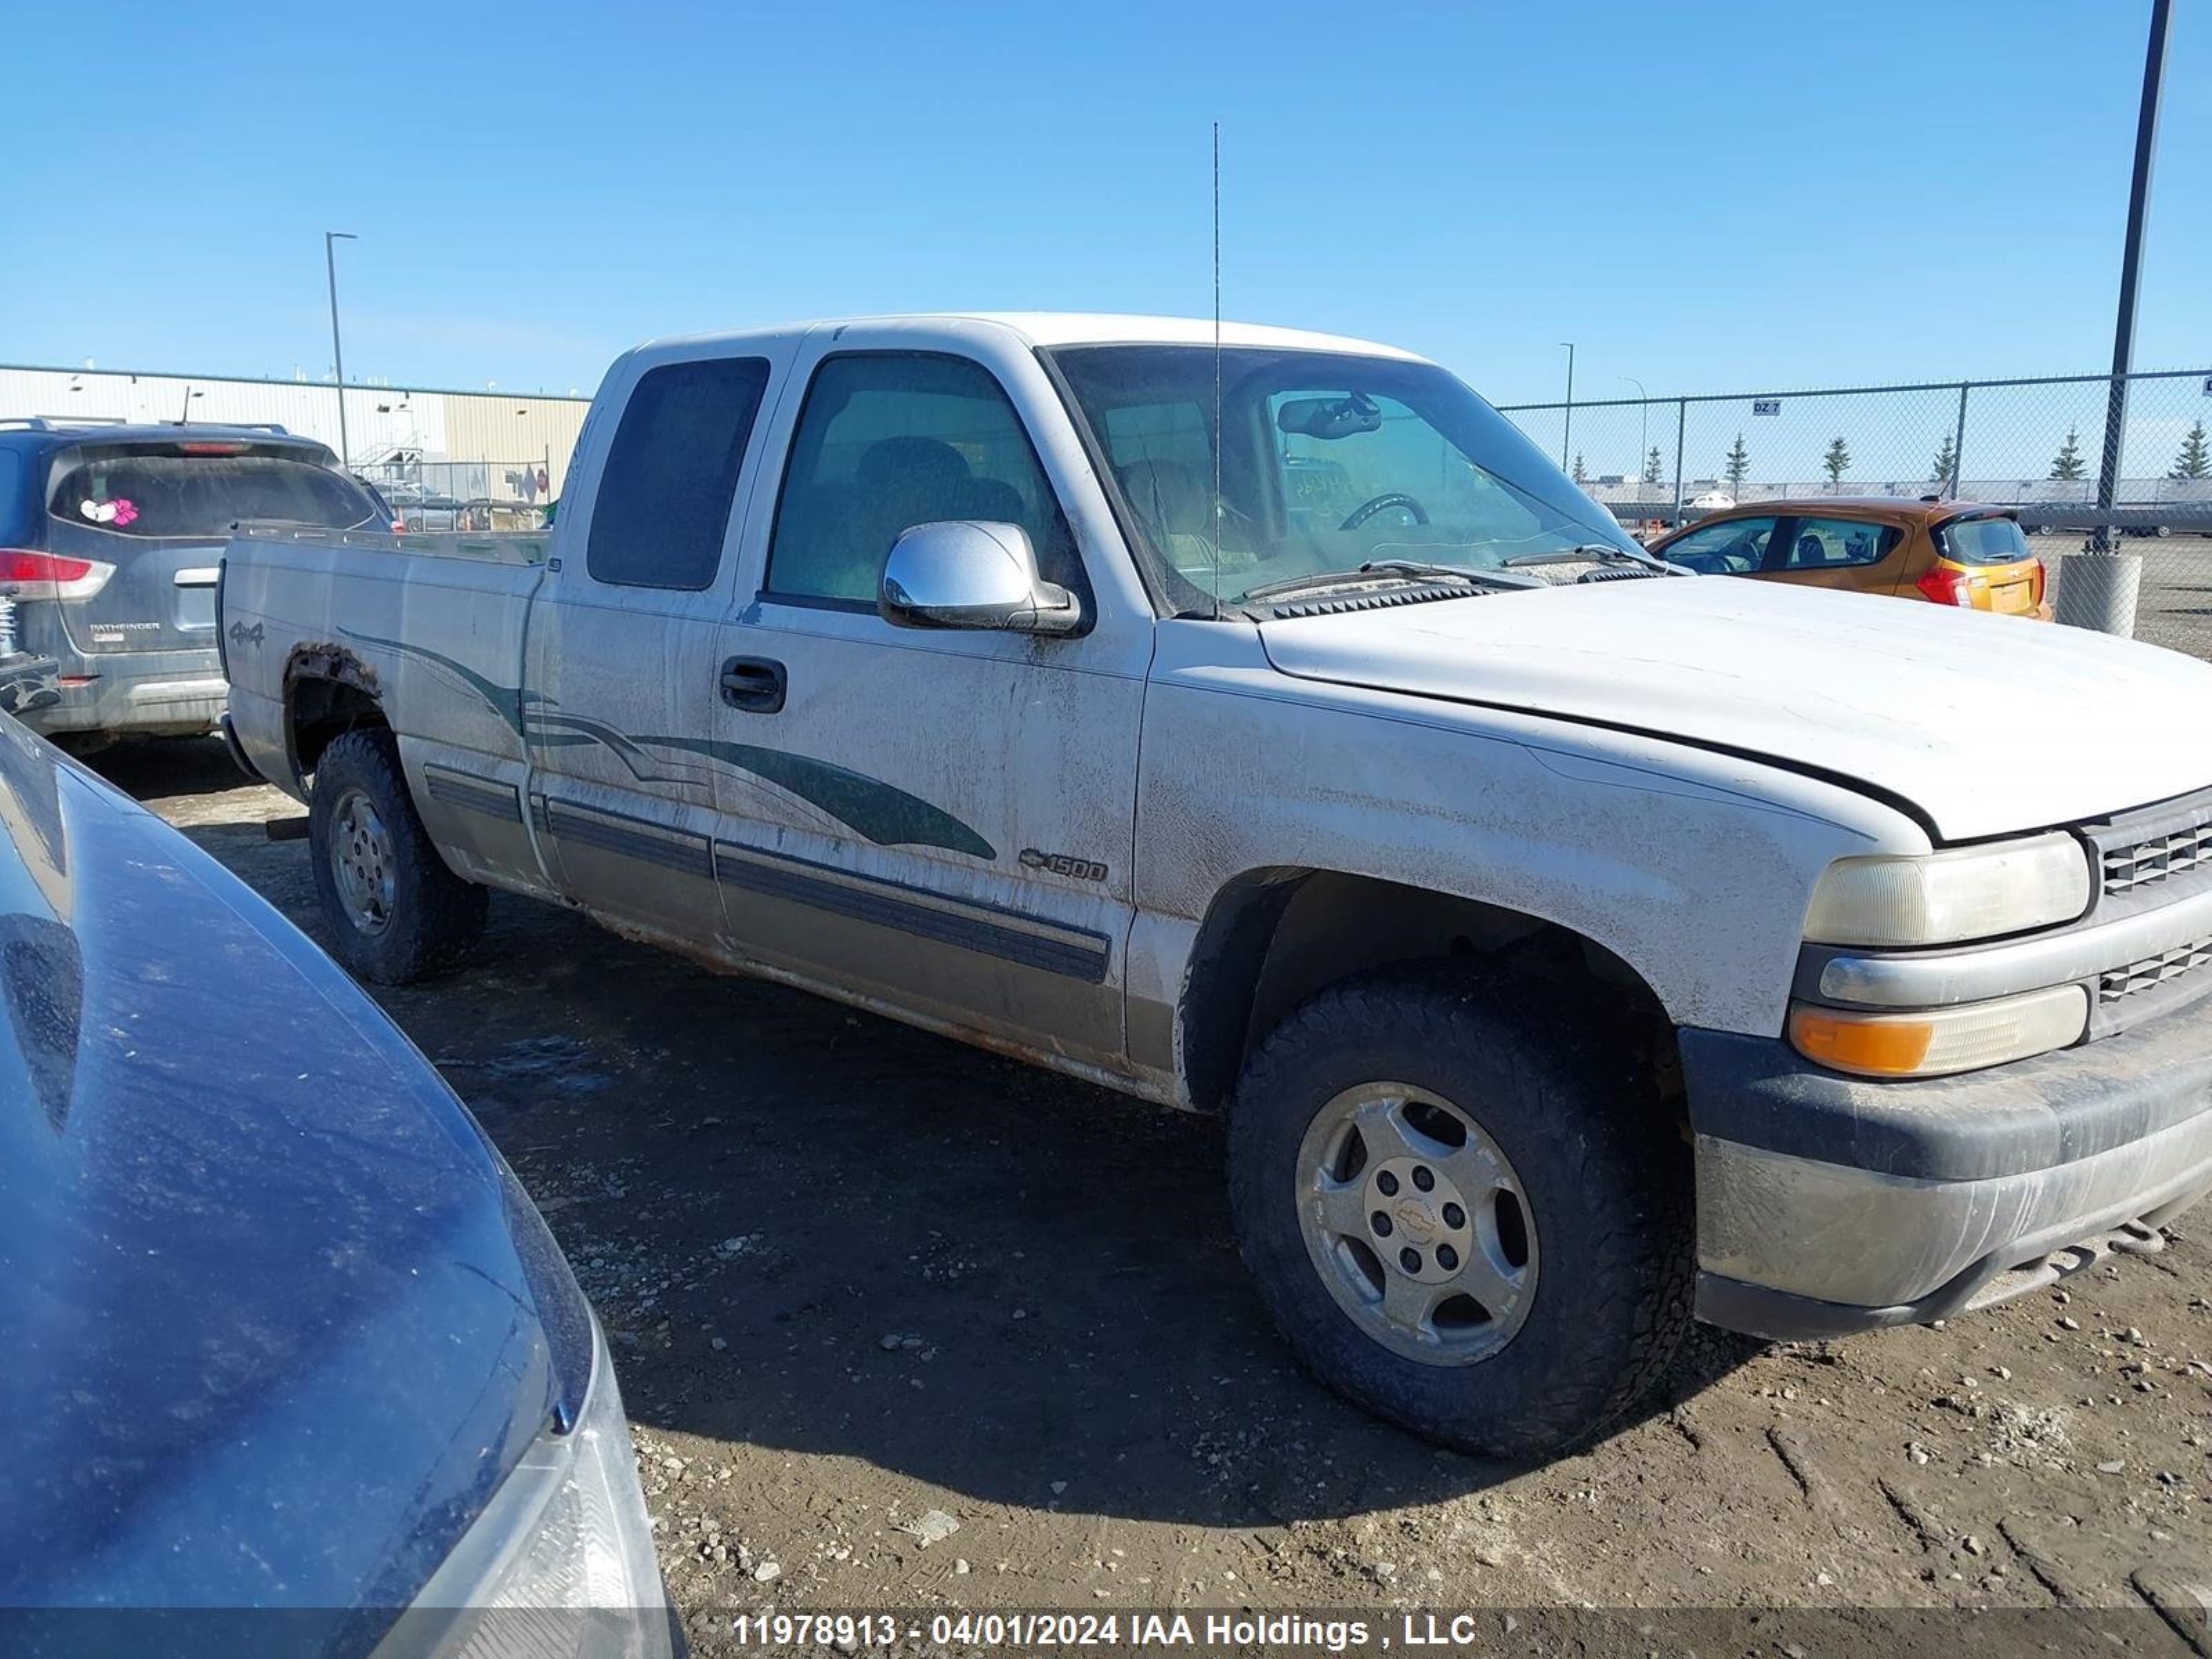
(1828, 1205)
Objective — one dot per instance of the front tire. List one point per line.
(396, 913)
(1463, 1217)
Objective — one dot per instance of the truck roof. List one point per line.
(1066, 328)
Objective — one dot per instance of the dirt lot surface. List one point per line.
(2174, 605)
(902, 1324)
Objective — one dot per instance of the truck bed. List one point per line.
(431, 625)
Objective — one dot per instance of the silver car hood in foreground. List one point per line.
(1985, 724)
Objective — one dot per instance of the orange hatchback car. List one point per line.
(1952, 552)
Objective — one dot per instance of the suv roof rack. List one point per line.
(57, 422)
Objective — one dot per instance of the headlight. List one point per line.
(1941, 1040)
(1941, 898)
(561, 1562)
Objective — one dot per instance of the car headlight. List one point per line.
(561, 1562)
(1938, 1042)
(1945, 899)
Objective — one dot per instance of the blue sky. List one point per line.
(1707, 196)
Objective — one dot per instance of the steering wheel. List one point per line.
(1366, 510)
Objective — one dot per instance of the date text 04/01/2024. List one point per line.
(1022, 1630)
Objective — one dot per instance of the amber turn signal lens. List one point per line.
(1889, 1048)
(1940, 1040)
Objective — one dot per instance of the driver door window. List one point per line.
(1735, 547)
(889, 441)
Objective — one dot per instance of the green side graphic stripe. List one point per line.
(879, 812)
(882, 812)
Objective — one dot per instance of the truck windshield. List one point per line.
(1326, 461)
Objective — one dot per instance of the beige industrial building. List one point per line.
(488, 446)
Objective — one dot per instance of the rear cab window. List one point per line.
(1982, 541)
(197, 490)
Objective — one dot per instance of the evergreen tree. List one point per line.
(1946, 462)
(1837, 461)
(2194, 462)
(1739, 466)
(1580, 476)
(1651, 472)
(2066, 465)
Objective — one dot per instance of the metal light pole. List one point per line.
(2099, 587)
(1643, 418)
(1567, 426)
(330, 239)
(2123, 334)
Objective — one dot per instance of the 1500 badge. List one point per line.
(1062, 864)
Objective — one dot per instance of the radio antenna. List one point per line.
(1218, 433)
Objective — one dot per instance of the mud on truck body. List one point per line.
(1574, 946)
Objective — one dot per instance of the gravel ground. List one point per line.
(903, 1324)
(2174, 604)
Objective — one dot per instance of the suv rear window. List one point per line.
(15, 510)
(150, 494)
(1982, 541)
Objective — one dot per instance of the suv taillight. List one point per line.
(27, 575)
(1947, 586)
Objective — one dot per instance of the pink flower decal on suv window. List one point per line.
(118, 513)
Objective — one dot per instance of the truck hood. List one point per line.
(1984, 724)
(277, 1317)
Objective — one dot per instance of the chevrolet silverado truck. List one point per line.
(1259, 724)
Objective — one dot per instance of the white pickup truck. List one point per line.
(1573, 945)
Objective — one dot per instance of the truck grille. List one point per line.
(2115, 983)
(2142, 863)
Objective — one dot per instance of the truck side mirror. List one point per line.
(963, 572)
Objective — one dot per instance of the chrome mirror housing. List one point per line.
(963, 572)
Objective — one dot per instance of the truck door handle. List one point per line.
(755, 685)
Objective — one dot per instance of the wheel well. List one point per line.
(1275, 937)
(328, 691)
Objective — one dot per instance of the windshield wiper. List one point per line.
(1447, 573)
(1412, 569)
(1603, 553)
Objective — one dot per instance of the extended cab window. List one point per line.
(663, 504)
(889, 441)
(1830, 543)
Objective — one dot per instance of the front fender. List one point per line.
(1695, 869)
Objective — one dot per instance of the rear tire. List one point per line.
(1569, 1226)
(395, 913)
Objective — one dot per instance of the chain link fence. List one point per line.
(462, 494)
(2034, 444)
